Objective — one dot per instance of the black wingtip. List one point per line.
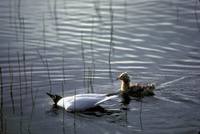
(50, 95)
(55, 98)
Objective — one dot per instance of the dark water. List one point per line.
(80, 46)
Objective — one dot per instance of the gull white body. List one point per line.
(82, 102)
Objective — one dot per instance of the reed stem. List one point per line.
(56, 18)
(83, 59)
(31, 82)
(45, 63)
(196, 15)
(24, 56)
(98, 11)
(92, 52)
(63, 83)
(20, 84)
(141, 125)
(11, 80)
(44, 34)
(75, 111)
(111, 40)
(2, 99)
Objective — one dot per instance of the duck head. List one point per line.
(125, 80)
(124, 77)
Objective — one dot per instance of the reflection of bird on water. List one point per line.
(80, 102)
(134, 90)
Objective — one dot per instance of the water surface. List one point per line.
(80, 46)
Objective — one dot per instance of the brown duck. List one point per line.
(134, 90)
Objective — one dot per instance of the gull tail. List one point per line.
(55, 97)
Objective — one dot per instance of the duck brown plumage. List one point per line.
(134, 90)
